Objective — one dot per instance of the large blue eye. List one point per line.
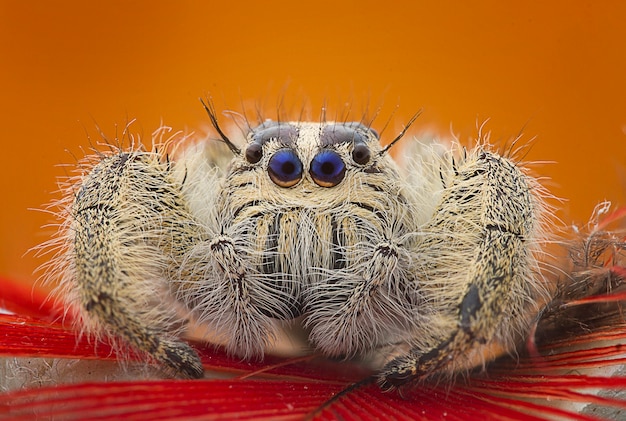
(284, 168)
(327, 168)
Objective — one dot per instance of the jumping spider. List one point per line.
(432, 264)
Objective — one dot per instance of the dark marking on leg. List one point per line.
(387, 251)
(470, 305)
(181, 359)
(98, 301)
(504, 229)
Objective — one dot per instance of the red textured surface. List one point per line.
(283, 389)
(26, 300)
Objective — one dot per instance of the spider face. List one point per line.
(306, 201)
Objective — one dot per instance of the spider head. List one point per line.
(292, 154)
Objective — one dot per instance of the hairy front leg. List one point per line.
(480, 274)
(129, 227)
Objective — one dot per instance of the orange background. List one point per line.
(556, 69)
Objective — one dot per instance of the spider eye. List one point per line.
(285, 169)
(327, 168)
(361, 153)
(254, 152)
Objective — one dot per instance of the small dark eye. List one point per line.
(327, 168)
(284, 168)
(361, 153)
(254, 152)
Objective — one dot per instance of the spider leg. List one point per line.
(129, 225)
(482, 280)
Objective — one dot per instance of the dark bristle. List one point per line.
(402, 133)
(210, 109)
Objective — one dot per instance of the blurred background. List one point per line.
(556, 70)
